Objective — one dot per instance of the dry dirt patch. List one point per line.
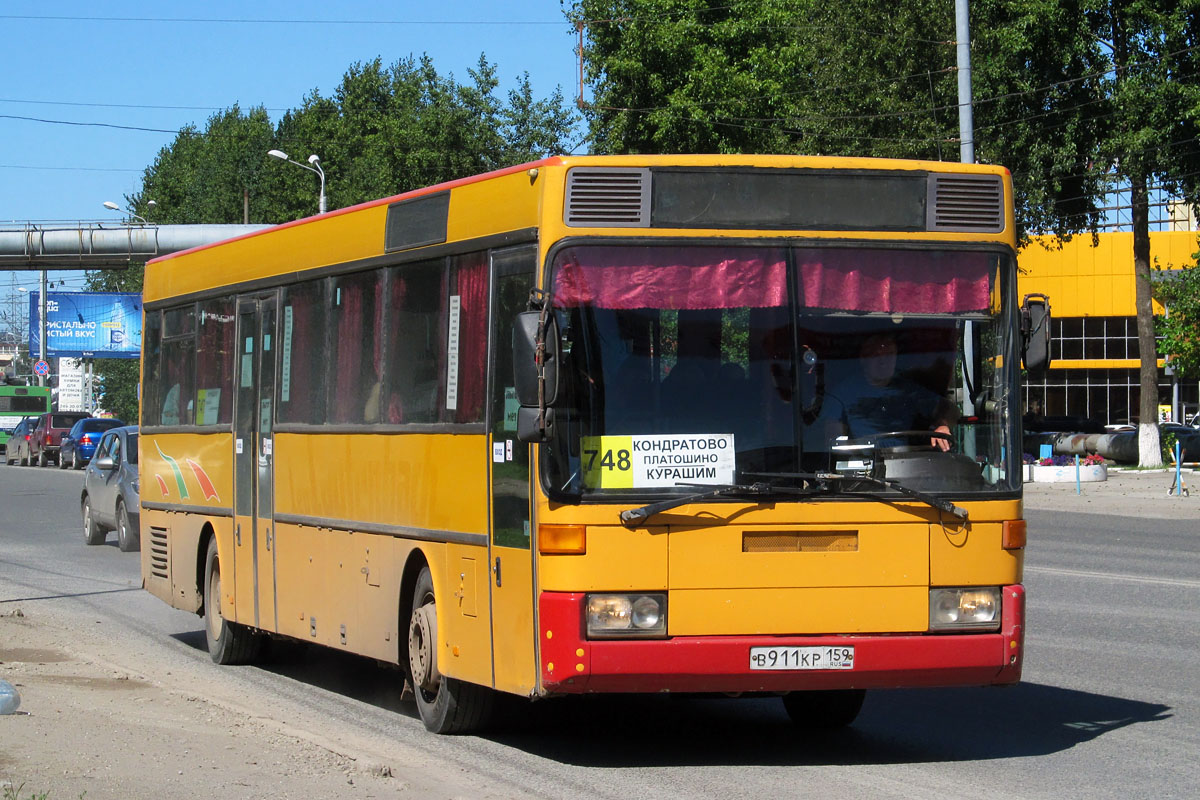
(85, 728)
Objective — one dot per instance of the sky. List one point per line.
(81, 79)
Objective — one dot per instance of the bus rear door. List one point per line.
(254, 459)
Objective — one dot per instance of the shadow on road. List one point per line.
(902, 726)
(895, 727)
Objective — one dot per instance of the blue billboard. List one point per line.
(87, 324)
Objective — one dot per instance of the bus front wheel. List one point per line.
(228, 642)
(824, 710)
(446, 705)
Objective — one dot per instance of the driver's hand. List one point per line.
(941, 444)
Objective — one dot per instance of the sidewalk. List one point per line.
(1124, 494)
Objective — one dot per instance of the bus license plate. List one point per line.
(789, 658)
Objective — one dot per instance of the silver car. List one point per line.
(110, 490)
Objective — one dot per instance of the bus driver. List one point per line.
(878, 400)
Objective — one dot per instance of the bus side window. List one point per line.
(178, 365)
(357, 353)
(303, 360)
(416, 322)
(152, 369)
(470, 285)
(214, 362)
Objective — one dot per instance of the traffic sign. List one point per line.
(41, 368)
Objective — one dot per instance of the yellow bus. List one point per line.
(717, 424)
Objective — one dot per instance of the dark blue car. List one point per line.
(79, 444)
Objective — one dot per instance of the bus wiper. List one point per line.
(635, 516)
(825, 480)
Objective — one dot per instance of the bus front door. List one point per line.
(254, 463)
(514, 641)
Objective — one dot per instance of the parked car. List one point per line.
(110, 490)
(79, 443)
(47, 434)
(16, 449)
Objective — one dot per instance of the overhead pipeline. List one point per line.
(97, 245)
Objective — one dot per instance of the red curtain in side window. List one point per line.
(348, 367)
(472, 274)
(296, 404)
(393, 412)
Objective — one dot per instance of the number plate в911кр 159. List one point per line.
(801, 658)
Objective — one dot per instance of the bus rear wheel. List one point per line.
(824, 710)
(446, 705)
(228, 642)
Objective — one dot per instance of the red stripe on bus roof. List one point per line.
(440, 187)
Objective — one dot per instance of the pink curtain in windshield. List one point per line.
(895, 281)
(671, 277)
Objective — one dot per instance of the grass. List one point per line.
(10, 792)
(14, 793)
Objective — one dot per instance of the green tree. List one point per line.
(1153, 98)
(1078, 98)
(1179, 330)
(861, 78)
(382, 132)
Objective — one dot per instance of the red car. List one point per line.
(47, 435)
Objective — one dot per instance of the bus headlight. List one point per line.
(968, 608)
(625, 615)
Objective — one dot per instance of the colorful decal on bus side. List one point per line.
(205, 482)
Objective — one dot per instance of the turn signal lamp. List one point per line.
(1012, 537)
(968, 608)
(562, 540)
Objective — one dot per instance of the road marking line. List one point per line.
(1112, 576)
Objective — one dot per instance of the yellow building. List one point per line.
(1094, 345)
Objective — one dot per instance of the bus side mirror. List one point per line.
(1035, 332)
(535, 377)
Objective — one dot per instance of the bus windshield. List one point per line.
(694, 365)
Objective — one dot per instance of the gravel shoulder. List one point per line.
(89, 727)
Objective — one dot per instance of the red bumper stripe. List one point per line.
(569, 663)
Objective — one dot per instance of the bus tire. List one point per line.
(92, 532)
(228, 642)
(824, 710)
(446, 705)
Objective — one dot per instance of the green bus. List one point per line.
(19, 402)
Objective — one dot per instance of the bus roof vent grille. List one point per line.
(608, 197)
(967, 203)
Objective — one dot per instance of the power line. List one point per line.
(68, 169)
(87, 124)
(273, 21)
(121, 105)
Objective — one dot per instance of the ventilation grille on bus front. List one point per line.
(969, 203)
(159, 555)
(608, 197)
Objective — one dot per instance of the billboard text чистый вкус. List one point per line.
(87, 324)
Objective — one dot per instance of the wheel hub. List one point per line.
(422, 647)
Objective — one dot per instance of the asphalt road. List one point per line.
(1109, 708)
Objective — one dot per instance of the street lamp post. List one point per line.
(111, 206)
(314, 165)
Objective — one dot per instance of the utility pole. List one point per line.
(966, 116)
(966, 154)
(42, 379)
